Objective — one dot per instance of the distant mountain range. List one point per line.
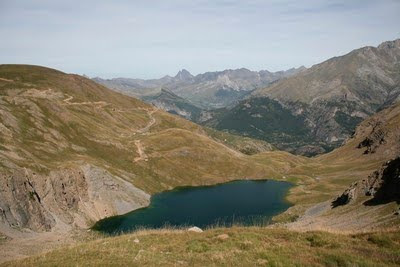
(303, 111)
(317, 109)
(209, 90)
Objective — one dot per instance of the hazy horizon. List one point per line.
(143, 39)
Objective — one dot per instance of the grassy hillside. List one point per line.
(73, 149)
(229, 247)
(51, 118)
(55, 120)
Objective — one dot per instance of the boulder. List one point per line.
(195, 229)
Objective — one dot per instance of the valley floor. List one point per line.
(237, 246)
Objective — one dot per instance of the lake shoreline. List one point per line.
(257, 194)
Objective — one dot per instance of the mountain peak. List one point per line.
(390, 44)
(183, 75)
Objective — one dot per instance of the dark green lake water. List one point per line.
(239, 202)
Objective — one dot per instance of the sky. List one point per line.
(153, 38)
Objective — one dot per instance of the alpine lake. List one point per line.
(244, 202)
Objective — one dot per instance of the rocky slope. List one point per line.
(73, 151)
(383, 186)
(380, 137)
(329, 100)
(66, 198)
(371, 159)
(376, 138)
(174, 104)
(208, 90)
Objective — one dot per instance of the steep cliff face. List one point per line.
(65, 198)
(20, 204)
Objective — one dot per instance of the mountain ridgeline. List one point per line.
(317, 109)
(209, 90)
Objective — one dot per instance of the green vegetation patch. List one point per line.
(349, 123)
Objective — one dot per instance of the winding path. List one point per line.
(67, 101)
(139, 147)
(142, 155)
(6, 80)
(143, 131)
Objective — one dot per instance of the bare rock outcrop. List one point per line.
(382, 185)
(68, 197)
(374, 139)
(20, 204)
(346, 197)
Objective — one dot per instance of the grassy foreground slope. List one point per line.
(235, 246)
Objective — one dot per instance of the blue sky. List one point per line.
(151, 38)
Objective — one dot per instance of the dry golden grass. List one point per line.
(251, 246)
(57, 120)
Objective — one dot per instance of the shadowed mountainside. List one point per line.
(174, 104)
(328, 100)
